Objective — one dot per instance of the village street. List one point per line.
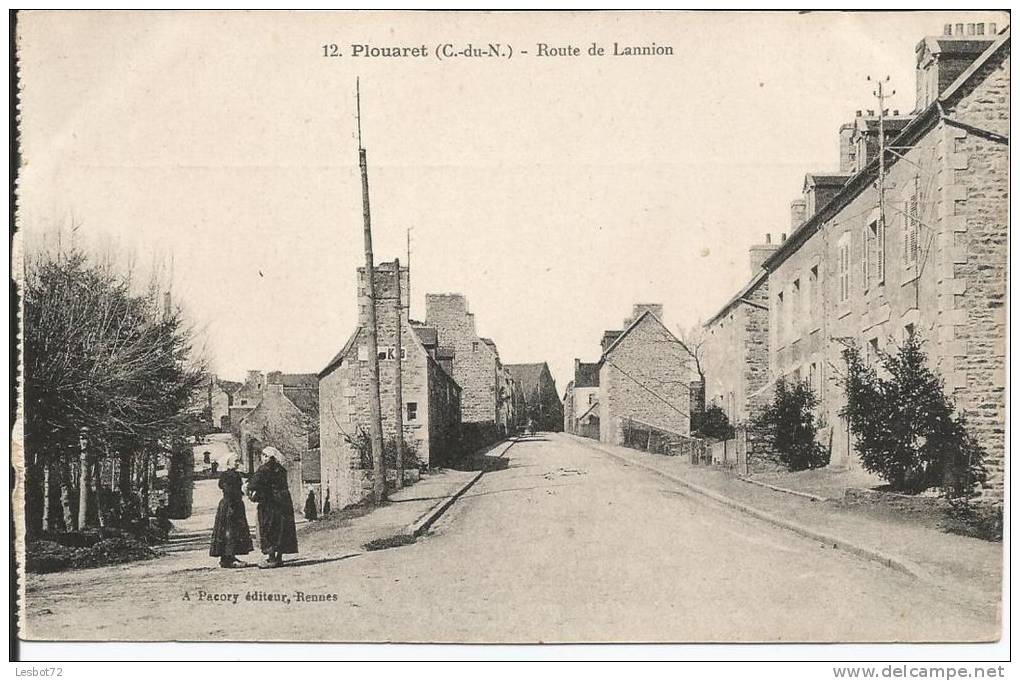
(564, 543)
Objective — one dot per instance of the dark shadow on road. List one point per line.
(305, 562)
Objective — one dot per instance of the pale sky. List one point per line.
(553, 192)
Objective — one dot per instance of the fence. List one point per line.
(658, 440)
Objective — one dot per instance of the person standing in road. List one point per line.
(230, 535)
(268, 487)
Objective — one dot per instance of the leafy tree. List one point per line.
(711, 424)
(904, 423)
(788, 426)
(100, 359)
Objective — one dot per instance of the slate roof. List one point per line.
(338, 357)
(619, 339)
(528, 376)
(917, 127)
(293, 380)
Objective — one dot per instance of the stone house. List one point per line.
(581, 400)
(431, 398)
(735, 353)
(245, 398)
(541, 398)
(486, 397)
(287, 418)
(644, 375)
(934, 266)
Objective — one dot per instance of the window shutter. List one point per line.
(912, 232)
(906, 232)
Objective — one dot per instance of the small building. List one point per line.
(431, 398)
(645, 376)
(542, 403)
(580, 402)
(287, 418)
(245, 398)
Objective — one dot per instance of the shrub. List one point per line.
(788, 426)
(711, 424)
(904, 423)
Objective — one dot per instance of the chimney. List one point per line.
(385, 293)
(941, 59)
(782, 239)
(641, 308)
(760, 252)
(847, 152)
(577, 367)
(798, 213)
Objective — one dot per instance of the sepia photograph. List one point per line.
(510, 327)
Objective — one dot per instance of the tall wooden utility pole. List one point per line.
(83, 477)
(371, 331)
(398, 387)
(881, 95)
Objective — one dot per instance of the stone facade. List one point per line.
(938, 269)
(278, 422)
(476, 366)
(431, 398)
(582, 394)
(735, 354)
(644, 375)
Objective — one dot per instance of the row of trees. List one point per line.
(109, 370)
(906, 428)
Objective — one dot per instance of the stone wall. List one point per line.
(977, 211)
(645, 377)
(953, 295)
(278, 423)
(475, 363)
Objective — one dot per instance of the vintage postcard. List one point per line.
(511, 327)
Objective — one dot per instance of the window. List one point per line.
(350, 400)
(843, 255)
(474, 346)
(795, 303)
(591, 398)
(780, 316)
(872, 350)
(244, 402)
(911, 226)
(412, 411)
(206, 457)
(811, 299)
(362, 353)
(813, 376)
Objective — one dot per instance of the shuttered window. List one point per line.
(911, 227)
(843, 257)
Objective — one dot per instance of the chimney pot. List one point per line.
(768, 237)
(782, 239)
(970, 29)
(991, 28)
(947, 29)
(895, 112)
(871, 112)
(959, 29)
(981, 29)
(858, 113)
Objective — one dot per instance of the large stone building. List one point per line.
(581, 401)
(933, 263)
(431, 398)
(735, 352)
(645, 376)
(486, 386)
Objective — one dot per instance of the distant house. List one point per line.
(581, 400)
(245, 398)
(541, 398)
(287, 418)
(644, 375)
(431, 398)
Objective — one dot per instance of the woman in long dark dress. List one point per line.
(268, 487)
(230, 536)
